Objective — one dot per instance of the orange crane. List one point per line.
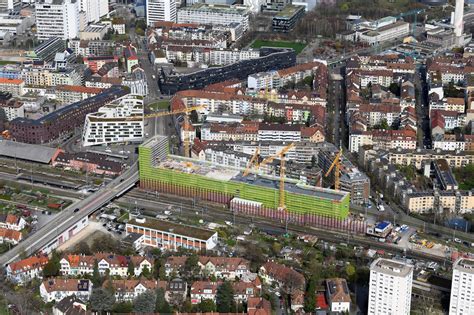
(336, 165)
(281, 155)
(186, 111)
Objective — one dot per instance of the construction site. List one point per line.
(255, 194)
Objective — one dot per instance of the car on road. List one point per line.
(76, 210)
(457, 240)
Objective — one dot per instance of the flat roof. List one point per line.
(181, 229)
(28, 152)
(216, 8)
(465, 265)
(228, 173)
(391, 267)
(289, 11)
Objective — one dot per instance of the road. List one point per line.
(65, 219)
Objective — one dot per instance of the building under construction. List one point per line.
(253, 194)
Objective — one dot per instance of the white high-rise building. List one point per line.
(10, 5)
(462, 288)
(57, 18)
(94, 9)
(160, 10)
(390, 287)
(118, 121)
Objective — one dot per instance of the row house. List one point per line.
(383, 139)
(449, 142)
(25, 270)
(297, 113)
(407, 95)
(115, 265)
(375, 114)
(128, 289)
(68, 94)
(272, 272)
(96, 62)
(12, 222)
(421, 157)
(442, 121)
(457, 202)
(244, 131)
(10, 236)
(380, 77)
(56, 289)
(228, 268)
(447, 104)
(279, 132)
(207, 290)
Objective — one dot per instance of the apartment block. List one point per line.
(57, 18)
(13, 86)
(462, 295)
(390, 287)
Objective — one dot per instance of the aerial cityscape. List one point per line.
(237, 157)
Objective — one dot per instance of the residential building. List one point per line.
(10, 236)
(421, 157)
(70, 305)
(25, 270)
(228, 268)
(94, 9)
(55, 289)
(115, 265)
(10, 5)
(12, 222)
(272, 272)
(462, 296)
(62, 121)
(170, 236)
(12, 109)
(457, 201)
(13, 86)
(207, 290)
(338, 295)
(118, 121)
(57, 18)
(131, 58)
(444, 176)
(201, 13)
(160, 10)
(68, 94)
(128, 290)
(390, 287)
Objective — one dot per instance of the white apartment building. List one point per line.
(201, 13)
(390, 287)
(462, 288)
(118, 121)
(281, 133)
(57, 18)
(14, 86)
(12, 109)
(160, 10)
(10, 5)
(94, 9)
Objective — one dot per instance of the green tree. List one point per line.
(207, 305)
(225, 298)
(145, 302)
(131, 269)
(146, 272)
(123, 308)
(191, 268)
(161, 305)
(102, 300)
(310, 295)
(384, 124)
(351, 273)
(51, 269)
(395, 88)
(96, 278)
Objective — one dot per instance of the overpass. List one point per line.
(67, 218)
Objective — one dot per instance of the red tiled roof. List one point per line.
(10, 81)
(28, 264)
(10, 234)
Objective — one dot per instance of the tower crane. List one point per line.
(185, 111)
(281, 155)
(336, 165)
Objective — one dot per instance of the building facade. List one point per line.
(160, 10)
(118, 121)
(462, 296)
(57, 18)
(390, 287)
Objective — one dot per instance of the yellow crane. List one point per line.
(336, 165)
(281, 155)
(186, 111)
(253, 162)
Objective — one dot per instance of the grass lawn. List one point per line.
(6, 62)
(160, 105)
(298, 47)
